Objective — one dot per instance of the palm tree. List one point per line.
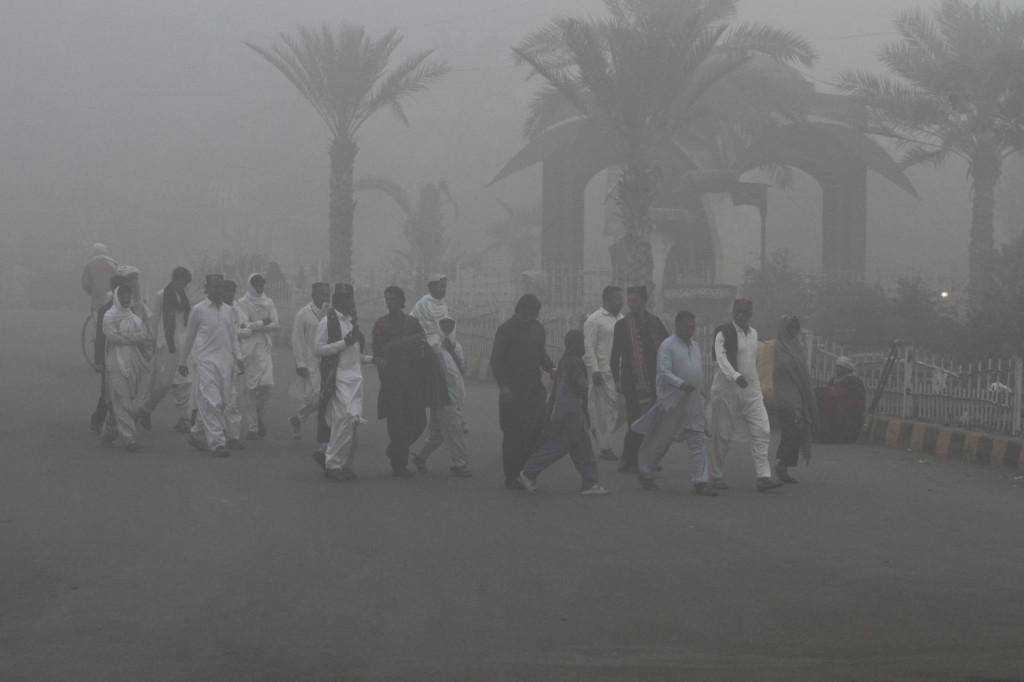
(425, 221)
(344, 76)
(642, 78)
(957, 89)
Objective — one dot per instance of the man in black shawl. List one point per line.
(518, 356)
(410, 381)
(634, 367)
(167, 326)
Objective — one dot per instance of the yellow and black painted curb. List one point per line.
(946, 441)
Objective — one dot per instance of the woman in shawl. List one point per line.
(258, 322)
(139, 307)
(128, 344)
(568, 429)
(794, 398)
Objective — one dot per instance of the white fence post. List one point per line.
(1018, 390)
(908, 377)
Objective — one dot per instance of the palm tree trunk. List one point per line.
(985, 173)
(342, 208)
(632, 259)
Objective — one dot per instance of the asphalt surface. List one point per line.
(171, 565)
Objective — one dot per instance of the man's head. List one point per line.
(321, 294)
(845, 367)
(394, 298)
(344, 299)
(116, 281)
(221, 291)
(180, 278)
(124, 295)
(611, 299)
(447, 325)
(438, 286)
(130, 273)
(686, 322)
(792, 327)
(99, 249)
(636, 298)
(742, 311)
(210, 279)
(527, 308)
(257, 282)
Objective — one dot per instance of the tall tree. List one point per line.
(643, 77)
(425, 221)
(344, 76)
(956, 89)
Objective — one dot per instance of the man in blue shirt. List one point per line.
(678, 415)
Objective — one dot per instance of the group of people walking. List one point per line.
(215, 358)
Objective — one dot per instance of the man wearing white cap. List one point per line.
(430, 309)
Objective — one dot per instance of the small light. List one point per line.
(944, 294)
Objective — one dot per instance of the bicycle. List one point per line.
(89, 339)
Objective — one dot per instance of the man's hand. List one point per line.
(505, 393)
(741, 381)
(597, 379)
(241, 366)
(448, 345)
(302, 372)
(183, 370)
(268, 321)
(551, 372)
(688, 387)
(380, 362)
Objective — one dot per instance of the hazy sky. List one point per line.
(124, 120)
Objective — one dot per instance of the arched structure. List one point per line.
(826, 147)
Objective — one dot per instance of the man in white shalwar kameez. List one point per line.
(232, 413)
(339, 344)
(257, 346)
(127, 346)
(598, 335)
(306, 387)
(738, 413)
(213, 346)
(431, 309)
(171, 308)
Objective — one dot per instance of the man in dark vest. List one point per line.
(737, 406)
(634, 367)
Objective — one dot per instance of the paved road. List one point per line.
(171, 565)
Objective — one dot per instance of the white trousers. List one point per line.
(604, 412)
(233, 411)
(255, 404)
(164, 377)
(120, 420)
(738, 416)
(209, 389)
(341, 449)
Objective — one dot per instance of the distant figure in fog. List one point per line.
(447, 426)
(259, 320)
(841, 405)
(518, 357)
(99, 415)
(635, 345)
(598, 335)
(568, 428)
(678, 415)
(737, 406)
(128, 345)
(431, 308)
(306, 387)
(96, 277)
(171, 308)
(211, 343)
(232, 408)
(794, 398)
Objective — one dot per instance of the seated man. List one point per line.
(841, 405)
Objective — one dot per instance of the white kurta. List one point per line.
(164, 375)
(124, 366)
(598, 333)
(738, 414)
(257, 346)
(306, 390)
(429, 311)
(346, 406)
(213, 346)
